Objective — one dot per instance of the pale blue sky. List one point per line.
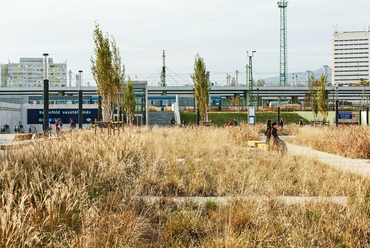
(221, 31)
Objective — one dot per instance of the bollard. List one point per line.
(95, 126)
(336, 112)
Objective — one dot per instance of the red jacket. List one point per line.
(57, 126)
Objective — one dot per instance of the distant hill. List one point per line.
(302, 76)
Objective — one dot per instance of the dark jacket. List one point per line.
(272, 137)
(268, 124)
(73, 124)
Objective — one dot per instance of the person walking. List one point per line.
(58, 127)
(92, 124)
(173, 121)
(72, 123)
(268, 123)
(281, 124)
(300, 122)
(273, 139)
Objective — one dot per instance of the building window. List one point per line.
(351, 53)
(366, 57)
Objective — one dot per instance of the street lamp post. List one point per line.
(45, 124)
(258, 98)
(250, 78)
(363, 92)
(336, 105)
(251, 110)
(80, 101)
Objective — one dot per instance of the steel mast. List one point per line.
(283, 43)
(163, 74)
(250, 78)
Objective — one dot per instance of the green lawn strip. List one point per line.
(220, 118)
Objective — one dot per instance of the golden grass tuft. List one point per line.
(347, 141)
(84, 191)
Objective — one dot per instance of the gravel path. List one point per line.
(359, 166)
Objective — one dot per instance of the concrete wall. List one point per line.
(308, 115)
(331, 116)
(363, 118)
(11, 114)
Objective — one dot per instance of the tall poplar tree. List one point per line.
(103, 72)
(118, 74)
(321, 97)
(202, 86)
(129, 102)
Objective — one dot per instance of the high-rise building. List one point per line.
(29, 72)
(350, 57)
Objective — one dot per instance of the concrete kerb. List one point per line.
(289, 200)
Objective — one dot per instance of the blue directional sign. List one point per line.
(345, 115)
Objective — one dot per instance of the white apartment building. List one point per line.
(29, 72)
(350, 57)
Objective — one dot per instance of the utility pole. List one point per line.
(325, 69)
(163, 76)
(293, 77)
(283, 43)
(308, 77)
(77, 80)
(296, 80)
(246, 75)
(70, 78)
(80, 101)
(45, 124)
(228, 80)
(336, 105)
(250, 78)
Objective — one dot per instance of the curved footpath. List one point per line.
(358, 166)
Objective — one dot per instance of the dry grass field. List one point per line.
(85, 191)
(347, 141)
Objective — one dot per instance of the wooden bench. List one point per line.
(111, 126)
(206, 123)
(15, 146)
(264, 146)
(22, 137)
(254, 143)
(38, 136)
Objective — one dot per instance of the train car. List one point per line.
(161, 101)
(164, 101)
(63, 100)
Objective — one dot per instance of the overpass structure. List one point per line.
(265, 92)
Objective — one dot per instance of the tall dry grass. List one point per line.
(83, 191)
(347, 141)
